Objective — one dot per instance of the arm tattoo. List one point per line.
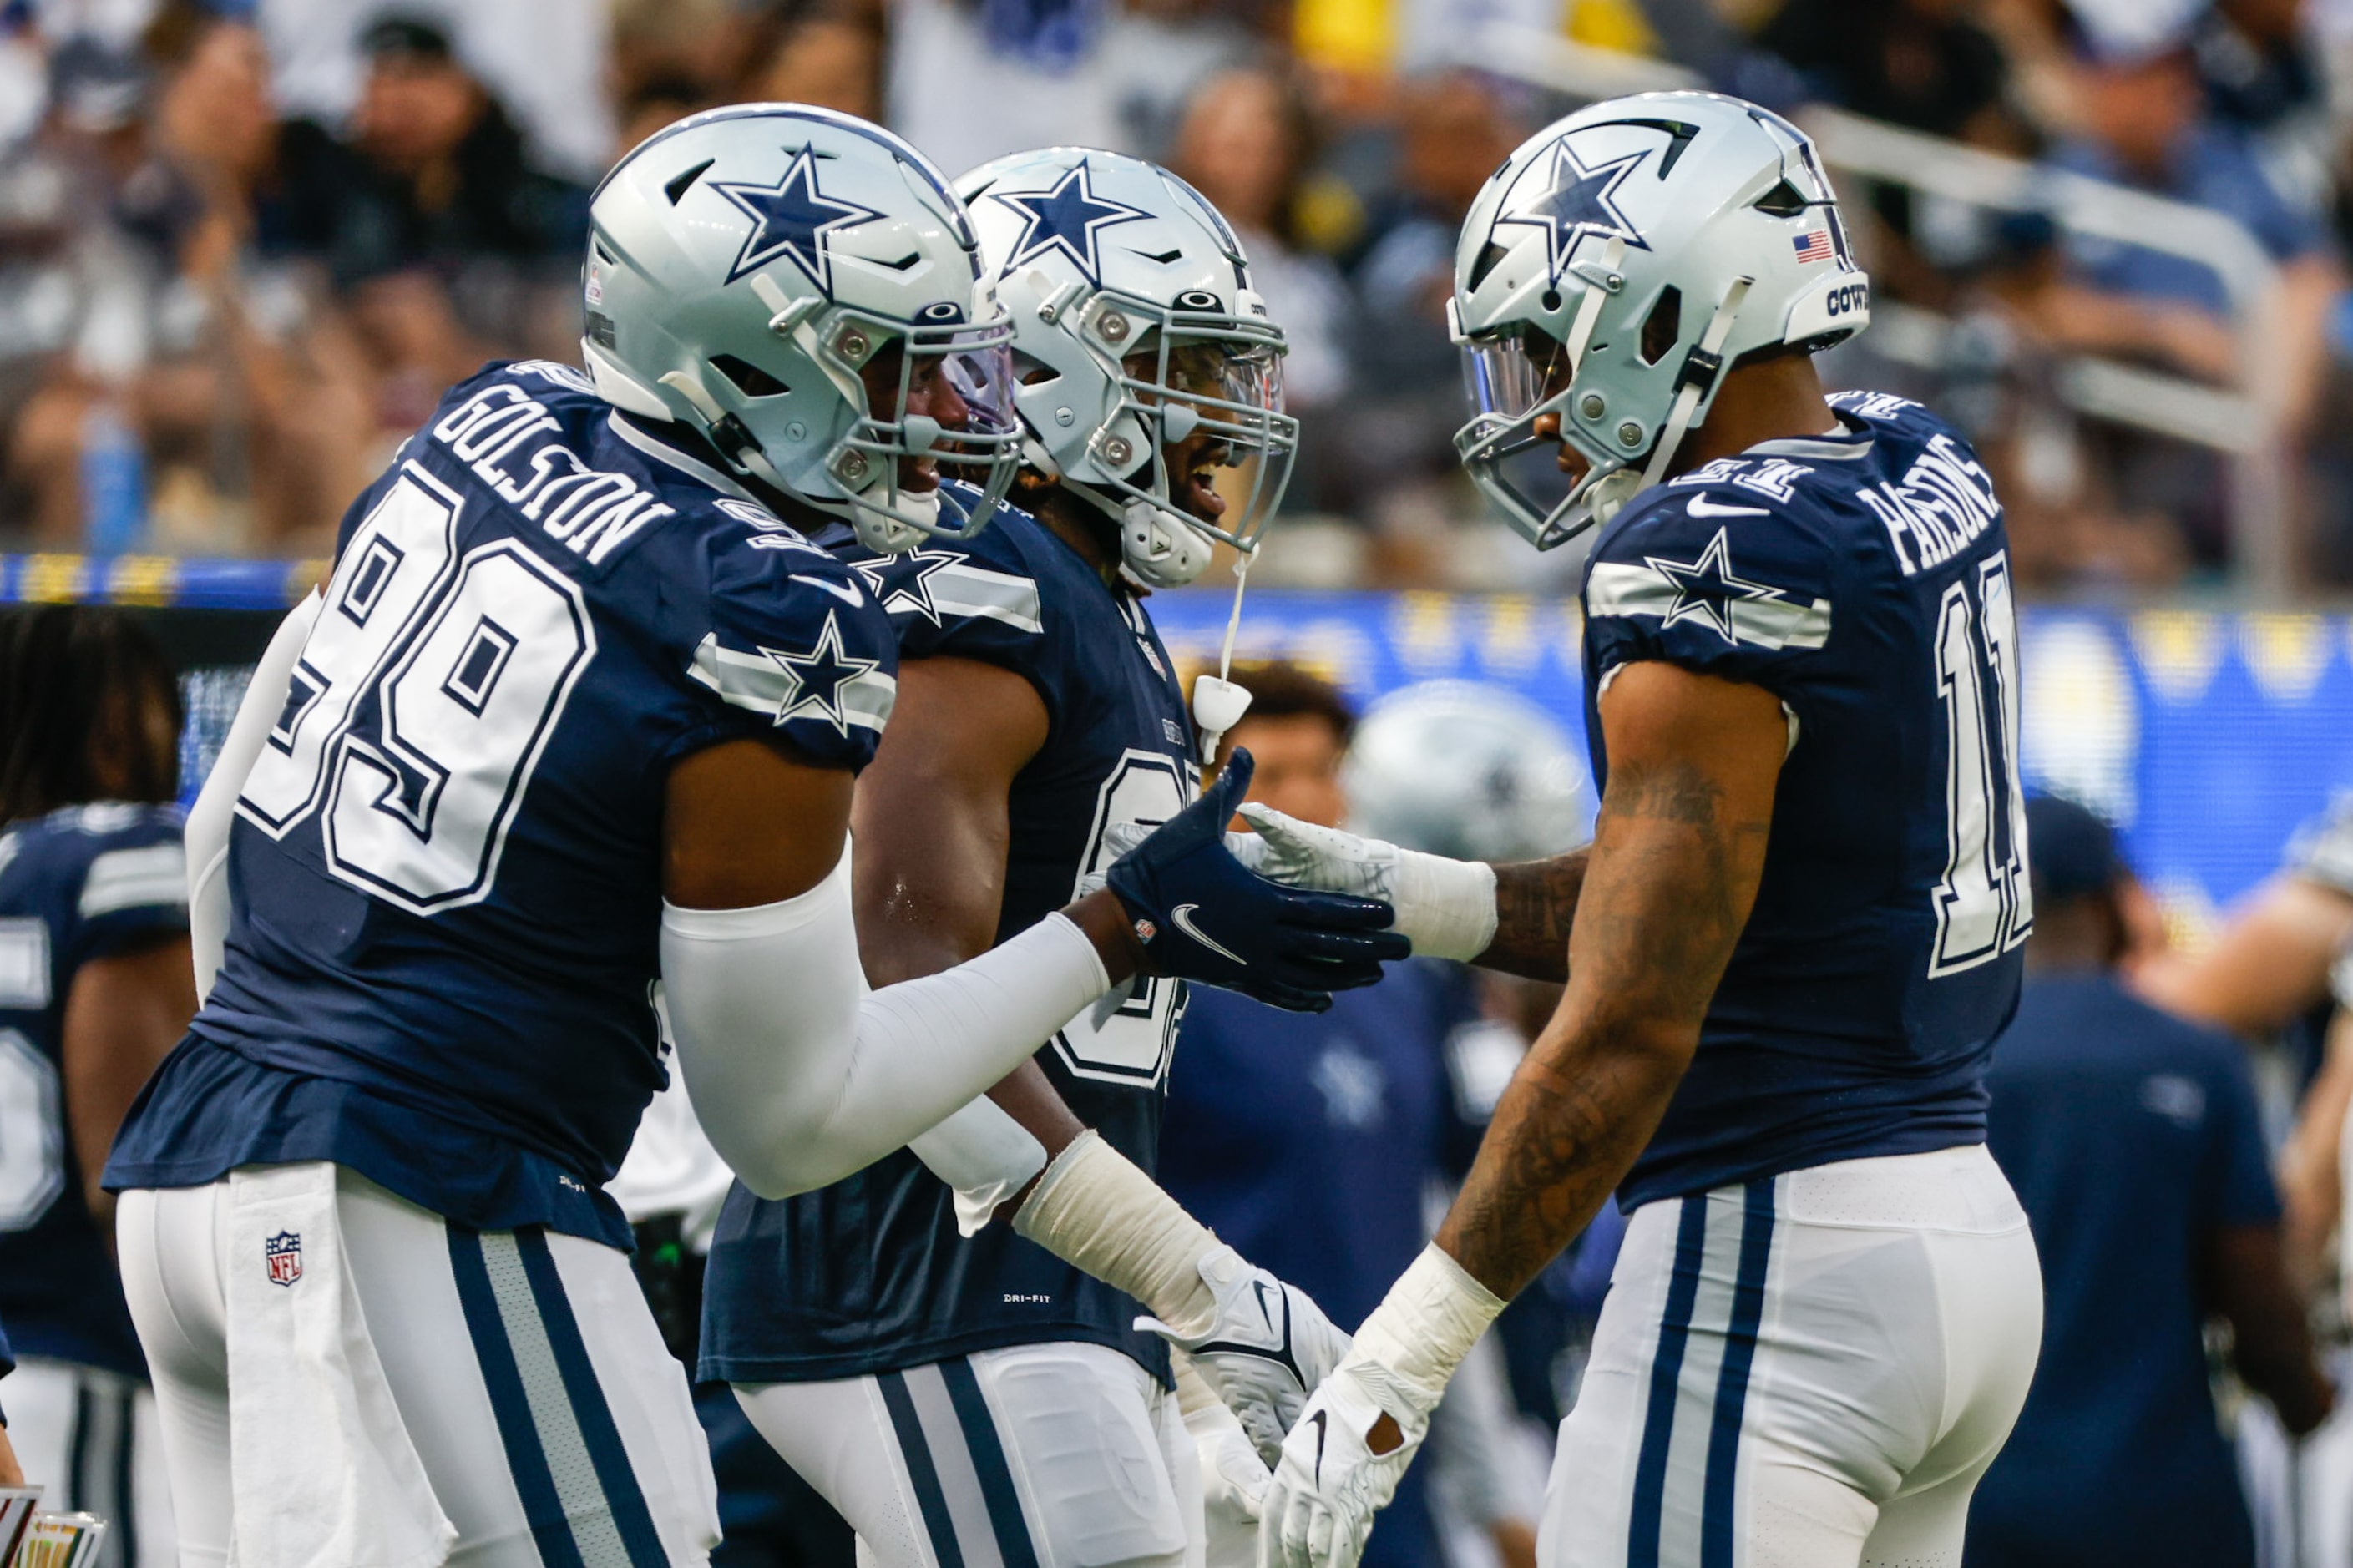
(1535, 900)
(1674, 874)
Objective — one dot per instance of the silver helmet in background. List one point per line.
(1467, 770)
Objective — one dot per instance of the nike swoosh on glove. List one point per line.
(1328, 1484)
(1266, 1350)
(1202, 915)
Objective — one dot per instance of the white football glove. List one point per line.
(1233, 1479)
(1318, 1511)
(1446, 908)
(1266, 1350)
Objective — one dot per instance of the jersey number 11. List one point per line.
(1985, 905)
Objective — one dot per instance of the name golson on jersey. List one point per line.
(1846, 574)
(871, 1275)
(446, 863)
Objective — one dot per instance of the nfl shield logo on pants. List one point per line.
(284, 1252)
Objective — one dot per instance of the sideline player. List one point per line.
(970, 1396)
(94, 990)
(1796, 932)
(581, 705)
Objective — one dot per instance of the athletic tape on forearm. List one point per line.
(985, 1155)
(210, 820)
(1428, 1323)
(802, 1076)
(1445, 908)
(1095, 1210)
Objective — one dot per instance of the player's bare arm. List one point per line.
(123, 1015)
(933, 829)
(1535, 904)
(1676, 855)
(723, 847)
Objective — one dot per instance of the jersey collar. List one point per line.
(1851, 445)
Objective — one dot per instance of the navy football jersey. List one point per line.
(83, 883)
(869, 1274)
(446, 865)
(1864, 579)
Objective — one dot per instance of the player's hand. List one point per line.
(1233, 1480)
(1330, 1480)
(1201, 915)
(1447, 908)
(1266, 1350)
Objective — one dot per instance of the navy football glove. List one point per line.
(1204, 916)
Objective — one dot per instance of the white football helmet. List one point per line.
(1134, 329)
(1469, 770)
(1613, 268)
(788, 281)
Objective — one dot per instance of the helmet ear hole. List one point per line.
(1663, 327)
(1784, 200)
(749, 378)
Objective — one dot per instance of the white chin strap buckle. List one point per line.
(885, 535)
(1159, 547)
(1217, 706)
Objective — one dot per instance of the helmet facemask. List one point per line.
(1203, 389)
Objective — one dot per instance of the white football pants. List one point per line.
(1053, 1456)
(90, 1439)
(553, 1425)
(1807, 1371)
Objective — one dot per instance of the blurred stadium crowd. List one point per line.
(243, 243)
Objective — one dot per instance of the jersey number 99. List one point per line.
(422, 702)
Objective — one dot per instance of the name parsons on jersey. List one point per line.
(1943, 502)
(592, 511)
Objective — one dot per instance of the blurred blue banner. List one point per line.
(2206, 735)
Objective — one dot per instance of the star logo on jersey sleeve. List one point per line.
(819, 679)
(1067, 218)
(1578, 201)
(1707, 589)
(791, 218)
(911, 591)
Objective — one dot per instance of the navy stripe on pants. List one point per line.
(1013, 1543)
(920, 1469)
(1666, 1372)
(1732, 1382)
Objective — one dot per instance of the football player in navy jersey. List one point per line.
(1796, 933)
(973, 1394)
(579, 706)
(94, 990)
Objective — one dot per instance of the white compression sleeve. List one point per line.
(802, 1075)
(215, 809)
(985, 1155)
(1095, 1210)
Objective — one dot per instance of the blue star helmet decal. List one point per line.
(1706, 589)
(792, 219)
(1577, 201)
(1066, 218)
(818, 677)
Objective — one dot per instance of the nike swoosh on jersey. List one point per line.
(1702, 507)
(1183, 915)
(847, 596)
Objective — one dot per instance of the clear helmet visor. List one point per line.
(1211, 386)
(938, 403)
(1513, 380)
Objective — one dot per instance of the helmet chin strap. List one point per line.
(1703, 370)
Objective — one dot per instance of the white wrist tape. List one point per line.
(1428, 1323)
(1095, 1210)
(1446, 908)
(802, 1076)
(985, 1155)
(210, 820)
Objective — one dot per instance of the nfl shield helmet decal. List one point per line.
(283, 1252)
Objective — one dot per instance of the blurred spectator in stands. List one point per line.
(2134, 1144)
(1246, 142)
(1455, 128)
(1927, 64)
(433, 172)
(829, 55)
(209, 399)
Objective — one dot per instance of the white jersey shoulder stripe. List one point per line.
(1644, 591)
(965, 589)
(119, 879)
